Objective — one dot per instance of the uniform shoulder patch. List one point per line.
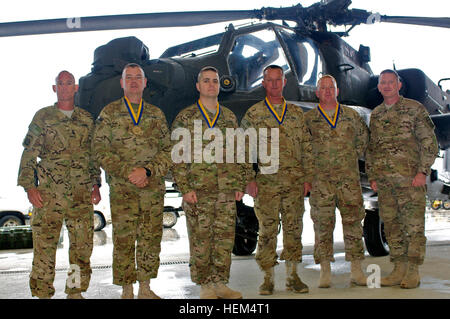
(35, 129)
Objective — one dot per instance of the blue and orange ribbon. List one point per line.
(211, 123)
(279, 118)
(135, 117)
(332, 122)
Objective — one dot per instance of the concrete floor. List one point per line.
(173, 281)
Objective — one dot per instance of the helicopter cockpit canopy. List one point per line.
(305, 54)
(195, 48)
(252, 52)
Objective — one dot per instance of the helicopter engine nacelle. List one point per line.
(102, 85)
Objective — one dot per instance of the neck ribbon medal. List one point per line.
(135, 117)
(332, 122)
(211, 123)
(279, 118)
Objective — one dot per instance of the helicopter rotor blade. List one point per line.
(126, 21)
(425, 21)
(334, 11)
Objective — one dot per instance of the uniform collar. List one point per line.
(61, 115)
(395, 106)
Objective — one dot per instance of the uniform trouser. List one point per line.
(402, 210)
(326, 195)
(211, 226)
(137, 218)
(46, 225)
(269, 206)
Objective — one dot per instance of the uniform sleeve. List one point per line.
(424, 131)
(362, 136)
(249, 167)
(104, 154)
(32, 143)
(371, 152)
(307, 160)
(180, 169)
(241, 168)
(162, 162)
(94, 166)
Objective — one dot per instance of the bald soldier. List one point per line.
(210, 188)
(67, 185)
(402, 149)
(279, 190)
(339, 139)
(131, 143)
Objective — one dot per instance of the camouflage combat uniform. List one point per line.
(336, 181)
(210, 221)
(402, 144)
(281, 193)
(66, 174)
(136, 213)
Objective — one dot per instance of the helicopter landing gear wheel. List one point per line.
(99, 220)
(436, 204)
(374, 237)
(246, 236)
(446, 205)
(169, 219)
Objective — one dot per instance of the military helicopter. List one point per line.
(302, 44)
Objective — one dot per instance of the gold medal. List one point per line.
(137, 130)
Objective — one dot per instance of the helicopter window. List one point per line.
(195, 48)
(251, 53)
(306, 57)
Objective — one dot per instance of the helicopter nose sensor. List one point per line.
(227, 83)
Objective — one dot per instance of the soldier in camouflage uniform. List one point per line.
(210, 189)
(280, 192)
(131, 143)
(401, 151)
(339, 138)
(67, 186)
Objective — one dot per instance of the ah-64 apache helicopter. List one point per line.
(305, 50)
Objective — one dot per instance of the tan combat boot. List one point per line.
(269, 282)
(145, 292)
(293, 281)
(411, 279)
(76, 295)
(224, 292)
(357, 276)
(325, 274)
(396, 276)
(127, 292)
(207, 291)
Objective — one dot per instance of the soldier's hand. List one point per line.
(138, 176)
(419, 180)
(238, 195)
(190, 197)
(252, 189)
(143, 184)
(307, 188)
(95, 195)
(373, 185)
(35, 198)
